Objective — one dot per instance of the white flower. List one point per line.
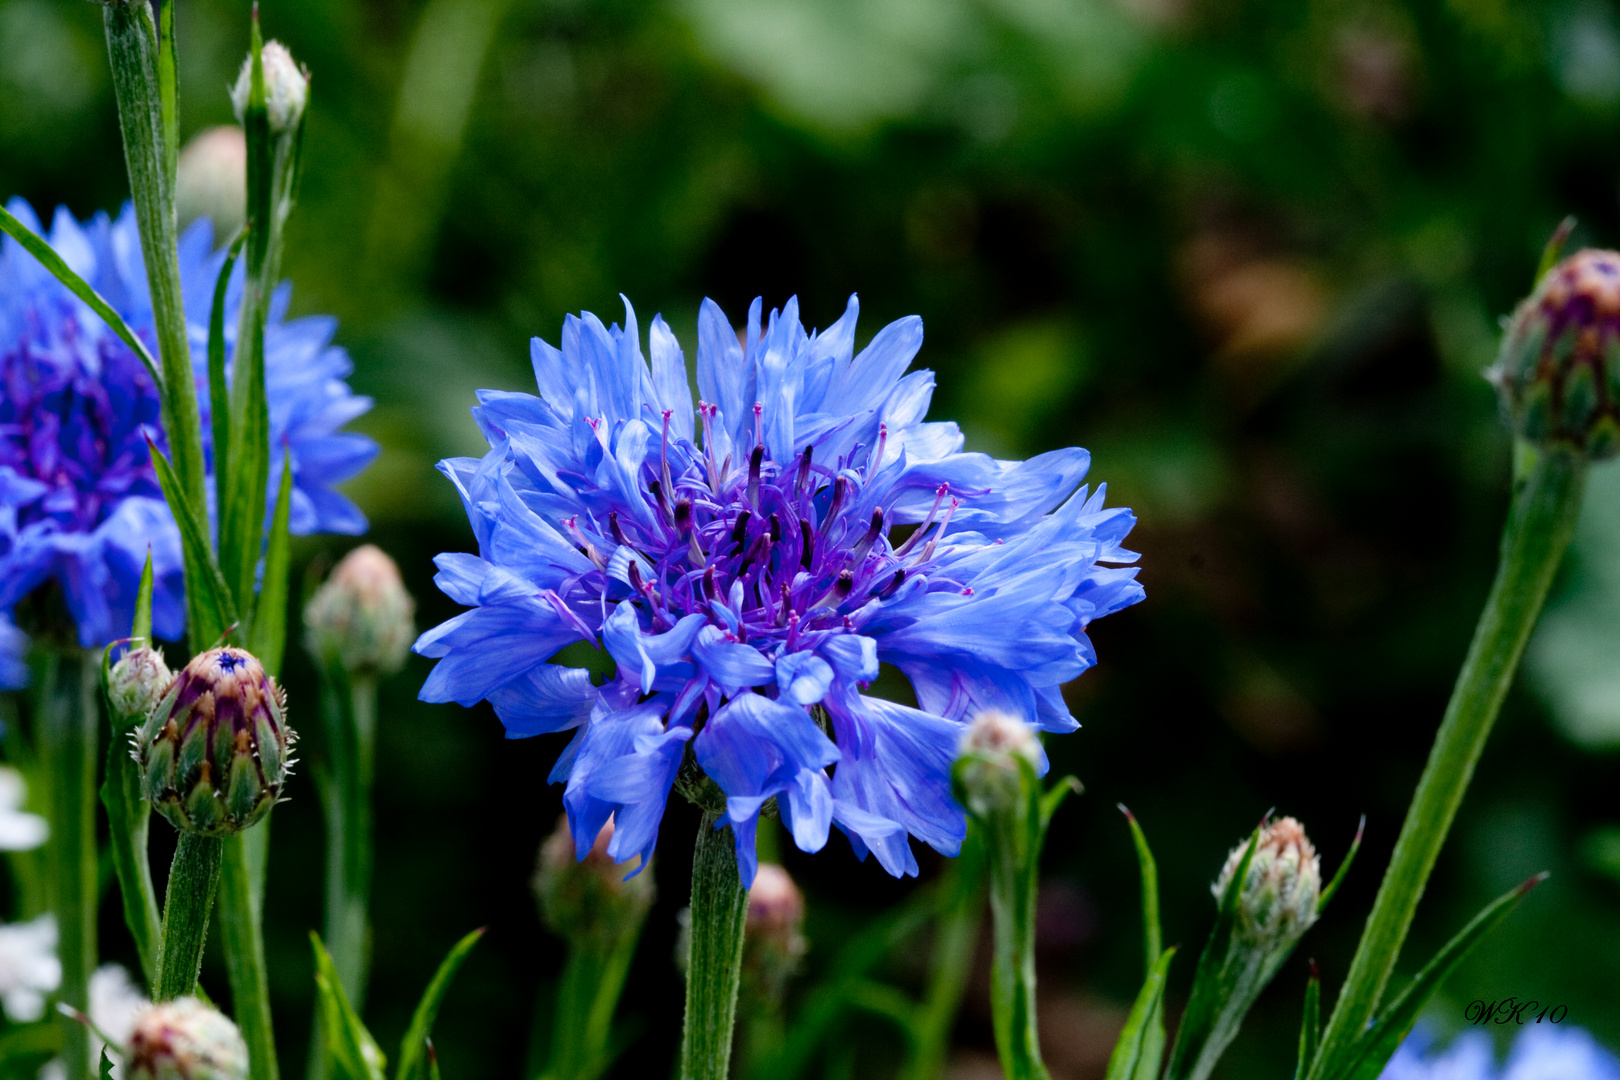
(29, 969)
(19, 830)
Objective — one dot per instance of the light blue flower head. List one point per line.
(1542, 1051)
(749, 563)
(79, 502)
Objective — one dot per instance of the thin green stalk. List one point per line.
(956, 934)
(193, 880)
(587, 997)
(241, 926)
(69, 731)
(714, 962)
(1013, 879)
(1540, 523)
(129, 818)
(133, 50)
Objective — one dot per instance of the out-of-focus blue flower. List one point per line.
(1542, 1051)
(79, 502)
(749, 564)
(13, 655)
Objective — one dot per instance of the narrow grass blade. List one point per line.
(1310, 1025)
(1051, 800)
(414, 1051)
(269, 630)
(1134, 1054)
(209, 609)
(1372, 1051)
(219, 398)
(39, 249)
(142, 626)
(1555, 246)
(354, 1053)
(1152, 940)
(1344, 868)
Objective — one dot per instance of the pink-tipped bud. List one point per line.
(1279, 894)
(774, 942)
(184, 1039)
(589, 901)
(362, 617)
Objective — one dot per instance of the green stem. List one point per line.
(129, 818)
(1013, 837)
(714, 962)
(956, 934)
(587, 997)
(242, 930)
(69, 736)
(1540, 523)
(351, 736)
(133, 48)
(193, 880)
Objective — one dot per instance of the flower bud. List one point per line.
(214, 752)
(1280, 892)
(361, 616)
(774, 941)
(184, 1039)
(991, 749)
(136, 684)
(1558, 372)
(589, 901)
(212, 180)
(286, 88)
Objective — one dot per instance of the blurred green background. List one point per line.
(1250, 253)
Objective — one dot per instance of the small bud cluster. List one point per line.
(214, 753)
(991, 750)
(774, 940)
(1558, 372)
(589, 899)
(362, 616)
(286, 88)
(137, 683)
(1279, 894)
(184, 1039)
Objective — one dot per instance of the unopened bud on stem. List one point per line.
(773, 942)
(286, 88)
(1278, 899)
(361, 616)
(590, 900)
(1558, 372)
(991, 750)
(214, 752)
(136, 684)
(184, 1039)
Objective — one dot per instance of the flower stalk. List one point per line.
(68, 737)
(146, 104)
(1540, 523)
(714, 957)
(193, 880)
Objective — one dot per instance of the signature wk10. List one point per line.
(1513, 1011)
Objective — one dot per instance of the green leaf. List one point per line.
(1344, 868)
(106, 1062)
(141, 628)
(269, 631)
(414, 1050)
(128, 819)
(1555, 246)
(1208, 995)
(48, 257)
(1310, 1025)
(219, 398)
(354, 1054)
(1371, 1052)
(209, 611)
(1134, 1054)
(1053, 799)
(1152, 940)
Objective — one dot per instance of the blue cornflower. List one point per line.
(1540, 1052)
(79, 501)
(748, 564)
